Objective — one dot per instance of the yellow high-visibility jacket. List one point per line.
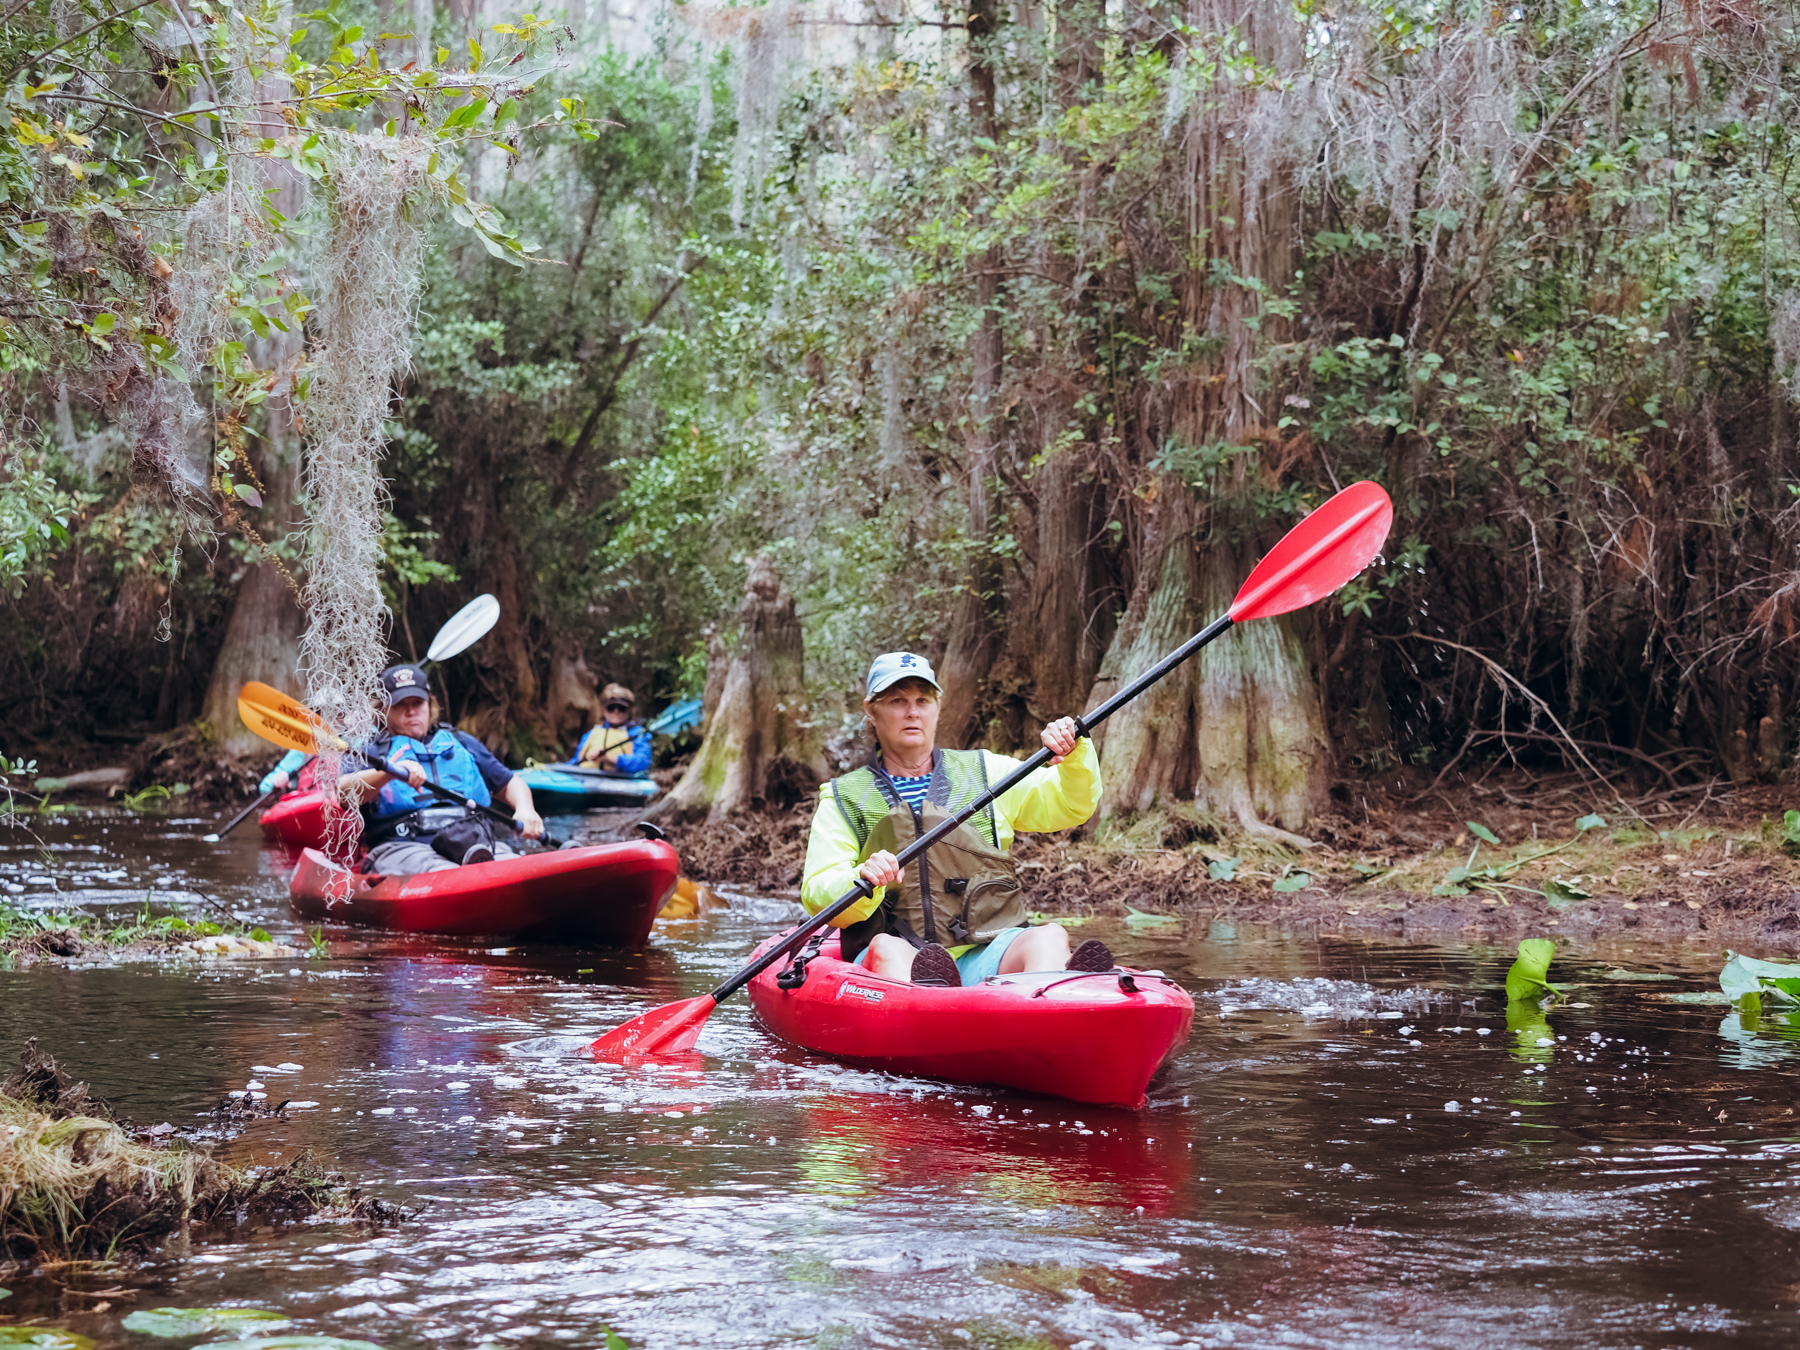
(1058, 798)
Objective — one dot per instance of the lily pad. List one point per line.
(198, 1321)
(1294, 881)
(1037, 916)
(292, 1343)
(1746, 975)
(1136, 918)
(44, 1338)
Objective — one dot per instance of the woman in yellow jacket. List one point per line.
(956, 915)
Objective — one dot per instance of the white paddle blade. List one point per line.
(467, 626)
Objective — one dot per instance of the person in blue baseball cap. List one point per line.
(408, 831)
(958, 914)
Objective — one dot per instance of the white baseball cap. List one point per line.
(890, 668)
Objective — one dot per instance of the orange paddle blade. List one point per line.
(287, 722)
(1318, 555)
(669, 1030)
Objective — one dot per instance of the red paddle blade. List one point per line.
(1318, 555)
(669, 1030)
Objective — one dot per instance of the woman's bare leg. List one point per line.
(892, 957)
(1043, 948)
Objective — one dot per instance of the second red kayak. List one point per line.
(1088, 1037)
(299, 819)
(607, 895)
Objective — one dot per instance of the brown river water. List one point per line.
(1300, 1176)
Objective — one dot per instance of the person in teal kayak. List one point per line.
(407, 831)
(958, 915)
(618, 744)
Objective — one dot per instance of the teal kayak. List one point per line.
(559, 789)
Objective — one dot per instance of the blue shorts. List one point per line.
(977, 963)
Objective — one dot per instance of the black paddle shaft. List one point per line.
(444, 794)
(863, 889)
(244, 815)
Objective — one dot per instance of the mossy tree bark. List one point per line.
(974, 638)
(761, 748)
(1147, 747)
(262, 637)
(1243, 732)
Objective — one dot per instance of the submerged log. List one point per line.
(761, 747)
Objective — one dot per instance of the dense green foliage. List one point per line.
(997, 327)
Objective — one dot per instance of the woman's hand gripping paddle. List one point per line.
(275, 717)
(1313, 559)
(464, 629)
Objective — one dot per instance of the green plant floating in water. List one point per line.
(1778, 981)
(1526, 980)
(44, 1338)
(1136, 918)
(198, 1321)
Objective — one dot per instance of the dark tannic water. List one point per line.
(1624, 1173)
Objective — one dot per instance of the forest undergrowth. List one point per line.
(1508, 852)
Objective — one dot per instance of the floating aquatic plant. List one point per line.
(44, 1338)
(1744, 977)
(198, 1321)
(1526, 981)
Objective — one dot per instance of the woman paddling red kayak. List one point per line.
(1315, 558)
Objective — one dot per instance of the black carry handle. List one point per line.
(244, 815)
(862, 890)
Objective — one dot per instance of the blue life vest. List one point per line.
(446, 761)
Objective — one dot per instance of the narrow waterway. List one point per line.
(1353, 1149)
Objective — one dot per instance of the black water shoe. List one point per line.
(933, 964)
(1092, 955)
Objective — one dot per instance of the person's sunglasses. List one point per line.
(618, 707)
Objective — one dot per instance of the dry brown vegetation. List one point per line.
(77, 1183)
(1712, 866)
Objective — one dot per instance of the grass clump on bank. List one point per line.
(36, 933)
(78, 1184)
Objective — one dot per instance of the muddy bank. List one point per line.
(1513, 857)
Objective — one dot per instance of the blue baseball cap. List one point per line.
(890, 668)
(403, 682)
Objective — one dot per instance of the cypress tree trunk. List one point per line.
(1245, 728)
(262, 637)
(761, 747)
(1259, 726)
(974, 642)
(1147, 747)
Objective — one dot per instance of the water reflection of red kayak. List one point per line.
(877, 1142)
(607, 894)
(1090, 1038)
(299, 819)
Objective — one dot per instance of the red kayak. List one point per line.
(607, 895)
(1090, 1038)
(298, 819)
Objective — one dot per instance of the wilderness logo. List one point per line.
(862, 991)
